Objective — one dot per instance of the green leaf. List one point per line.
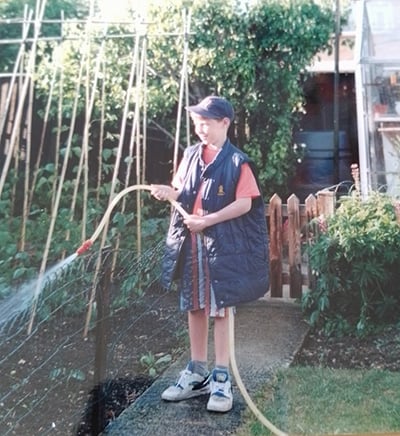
(77, 374)
(164, 360)
(19, 272)
(56, 373)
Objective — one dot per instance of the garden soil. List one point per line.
(270, 334)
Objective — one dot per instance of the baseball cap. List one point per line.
(213, 107)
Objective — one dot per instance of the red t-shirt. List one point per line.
(246, 187)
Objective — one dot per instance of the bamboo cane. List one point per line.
(115, 173)
(58, 135)
(13, 124)
(124, 119)
(43, 134)
(17, 65)
(187, 112)
(27, 184)
(82, 157)
(138, 156)
(24, 91)
(83, 167)
(186, 29)
(101, 136)
(59, 129)
(57, 198)
(144, 118)
(135, 136)
(86, 131)
(143, 177)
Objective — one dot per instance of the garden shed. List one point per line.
(377, 78)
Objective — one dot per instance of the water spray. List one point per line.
(19, 302)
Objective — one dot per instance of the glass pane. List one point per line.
(384, 23)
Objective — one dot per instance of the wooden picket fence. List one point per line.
(289, 230)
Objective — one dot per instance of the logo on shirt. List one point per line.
(220, 190)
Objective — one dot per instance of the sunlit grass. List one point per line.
(317, 401)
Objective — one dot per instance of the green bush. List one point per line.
(355, 261)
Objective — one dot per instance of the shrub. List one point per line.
(355, 261)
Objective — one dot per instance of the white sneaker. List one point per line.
(189, 385)
(221, 398)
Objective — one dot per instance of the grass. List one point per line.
(318, 401)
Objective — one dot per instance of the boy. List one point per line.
(219, 252)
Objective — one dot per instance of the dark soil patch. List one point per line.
(379, 351)
(107, 400)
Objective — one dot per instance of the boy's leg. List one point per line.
(198, 335)
(194, 379)
(221, 340)
(221, 399)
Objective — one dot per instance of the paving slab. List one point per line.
(268, 334)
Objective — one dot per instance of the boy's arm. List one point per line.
(235, 209)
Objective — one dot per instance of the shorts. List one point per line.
(196, 291)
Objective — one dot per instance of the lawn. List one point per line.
(304, 400)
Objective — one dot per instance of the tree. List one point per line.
(255, 56)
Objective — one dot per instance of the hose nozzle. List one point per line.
(84, 247)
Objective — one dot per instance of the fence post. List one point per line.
(296, 279)
(311, 213)
(326, 203)
(102, 328)
(103, 315)
(275, 245)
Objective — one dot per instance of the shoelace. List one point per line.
(220, 389)
(182, 382)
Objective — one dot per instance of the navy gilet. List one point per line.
(237, 250)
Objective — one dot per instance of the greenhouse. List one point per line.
(378, 95)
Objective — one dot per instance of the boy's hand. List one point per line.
(195, 223)
(163, 192)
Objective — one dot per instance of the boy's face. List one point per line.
(210, 131)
